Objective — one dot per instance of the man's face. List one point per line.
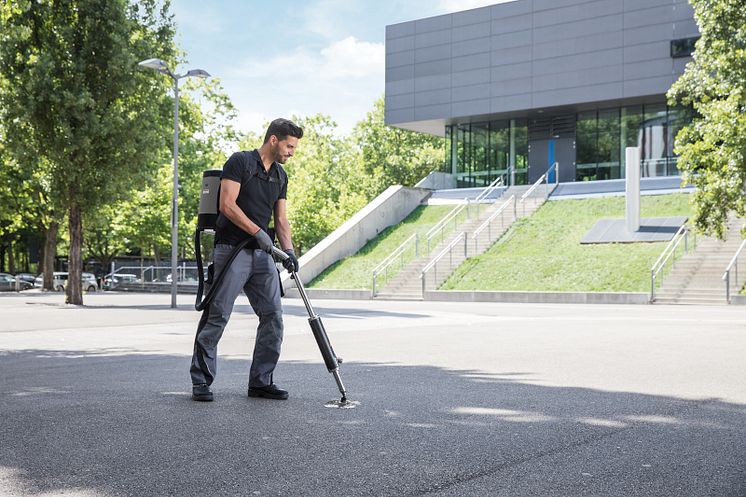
(282, 150)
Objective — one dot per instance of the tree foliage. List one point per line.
(713, 146)
(140, 222)
(394, 156)
(71, 97)
(323, 188)
(333, 177)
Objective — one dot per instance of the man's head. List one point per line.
(281, 139)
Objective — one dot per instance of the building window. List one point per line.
(479, 153)
(683, 47)
(654, 131)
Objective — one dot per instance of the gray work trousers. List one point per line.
(255, 272)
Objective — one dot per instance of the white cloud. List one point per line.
(251, 121)
(458, 5)
(341, 79)
(353, 58)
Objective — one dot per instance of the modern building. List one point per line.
(517, 86)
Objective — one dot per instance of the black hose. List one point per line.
(199, 303)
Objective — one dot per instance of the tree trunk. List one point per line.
(50, 252)
(74, 292)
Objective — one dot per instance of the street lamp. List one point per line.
(161, 67)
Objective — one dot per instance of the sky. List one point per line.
(292, 57)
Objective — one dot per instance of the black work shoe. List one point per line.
(201, 392)
(269, 392)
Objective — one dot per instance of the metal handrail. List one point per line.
(457, 210)
(441, 254)
(544, 177)
(391, 258)
(499, 211)
(554, 166)
(533, 187)
(733, 264)
(489, 189)
(438, 228)
(396, 252)
(669, 247)
(445, 219)
(668, 252)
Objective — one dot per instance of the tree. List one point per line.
(69, 85)
(713, 146)
(393, 156)
(141, 221)
(323, 187)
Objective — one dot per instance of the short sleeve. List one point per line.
(284, 183)
(234, 168)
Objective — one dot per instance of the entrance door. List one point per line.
(543, 153)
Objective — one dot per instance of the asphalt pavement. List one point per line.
(456, 399)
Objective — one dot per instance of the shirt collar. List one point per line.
(258, 158)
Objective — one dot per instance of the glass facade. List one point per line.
(602, 136)
(480, 152)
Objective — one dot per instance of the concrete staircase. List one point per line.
(407, 285)
(696, 278)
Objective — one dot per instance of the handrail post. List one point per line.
(466, 242)
(727, 286)
(652, 285)
(423, 275)
(374, 284)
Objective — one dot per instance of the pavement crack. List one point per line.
(464, 478)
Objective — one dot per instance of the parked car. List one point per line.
(60, 281)
(112, 281)
(28, 277)
(8, 283)
(90, 284)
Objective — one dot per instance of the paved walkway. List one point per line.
(456, 399)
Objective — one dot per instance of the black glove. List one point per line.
(264, 241)
(291, 263)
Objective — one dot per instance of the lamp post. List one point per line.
(161, 67)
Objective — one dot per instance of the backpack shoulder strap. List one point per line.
(252, 168)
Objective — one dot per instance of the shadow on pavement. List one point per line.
(122, 423)
(293, 307)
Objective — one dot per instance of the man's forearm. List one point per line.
(237, 217)
(283, 235)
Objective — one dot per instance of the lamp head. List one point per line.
(156, 65)
(198, 73)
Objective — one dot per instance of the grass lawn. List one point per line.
(356, 272)
(543, 252)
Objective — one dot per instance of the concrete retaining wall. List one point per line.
(437, 180)
(539, 297)
(389, 208)
(328, 294)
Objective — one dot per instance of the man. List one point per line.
(253, 187)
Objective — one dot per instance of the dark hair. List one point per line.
(282, 128)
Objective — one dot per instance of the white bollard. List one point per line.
(632, 155)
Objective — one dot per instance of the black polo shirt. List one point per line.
(259, 192)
